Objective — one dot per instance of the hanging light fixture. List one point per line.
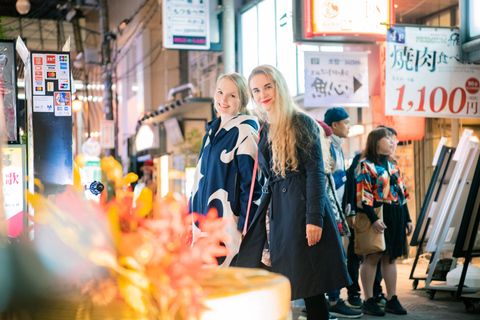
(23, 6)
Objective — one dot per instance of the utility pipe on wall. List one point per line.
(228, 36)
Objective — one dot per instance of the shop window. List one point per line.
(249, 38)
(267, 38)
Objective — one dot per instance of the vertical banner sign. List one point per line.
(336, 79)
(107, 134)
(186, 24)
(13, 172)
(424, 76)
(8, 88)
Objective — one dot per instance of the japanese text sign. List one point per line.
(186, 24)
(13, 188)
(425, 78)
(107, 134)
(336, 79)
(350, 17)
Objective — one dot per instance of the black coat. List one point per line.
(294, 201)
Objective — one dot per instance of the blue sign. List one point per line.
(396, 34)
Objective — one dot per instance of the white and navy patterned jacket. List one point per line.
(224, 174)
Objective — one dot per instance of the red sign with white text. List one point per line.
(50, 59)
(38, 61)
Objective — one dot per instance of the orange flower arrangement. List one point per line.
(144, 244)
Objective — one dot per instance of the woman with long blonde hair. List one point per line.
(303, 241)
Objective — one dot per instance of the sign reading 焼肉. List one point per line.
(336, 79)
(424, 76)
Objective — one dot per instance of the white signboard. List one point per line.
(107, 134)
(336, 79)
(424, 77)
(13, 188)
(186, 24)
(42, 104)
(350, 16)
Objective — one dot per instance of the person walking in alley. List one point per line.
(224, 170)
(303, 240)
(380, 194)
(339, 122)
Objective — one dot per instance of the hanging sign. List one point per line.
(107, 134)
(186, 24)
(350, 17)
(425, 78)
(336, 79)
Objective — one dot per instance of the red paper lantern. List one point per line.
(407, 127)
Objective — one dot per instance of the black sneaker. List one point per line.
(371, 307)
(381, 300)
(340, 309)
(303, 316)
(354, 302)
(394, 306)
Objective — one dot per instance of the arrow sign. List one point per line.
(356, 84)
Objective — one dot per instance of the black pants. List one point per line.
(353, 266)
(317, 308)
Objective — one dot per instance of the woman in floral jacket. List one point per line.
(379, 183)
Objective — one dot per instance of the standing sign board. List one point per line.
(52, 117)
(14, 185)
(186, 24)
(8, 87)
(425, 78)
(336, 79)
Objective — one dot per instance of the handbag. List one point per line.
(366, 239)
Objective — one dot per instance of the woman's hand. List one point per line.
(409, 229)
(378, 226)
(314, 234)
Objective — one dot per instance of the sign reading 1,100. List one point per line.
(472, 86)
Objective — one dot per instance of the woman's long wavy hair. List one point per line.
(241, 84)
(284, 130)
(328, 162)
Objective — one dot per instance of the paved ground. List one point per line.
(417, 302)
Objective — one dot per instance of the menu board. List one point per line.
(52, 83)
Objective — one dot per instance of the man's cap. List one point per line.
(335, 114)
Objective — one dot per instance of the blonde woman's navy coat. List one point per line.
(295, 201)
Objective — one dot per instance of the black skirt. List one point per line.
(395, 218)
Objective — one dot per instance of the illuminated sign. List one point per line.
(186, 24)
(347, 17)
(424, 77)
(145, 138)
